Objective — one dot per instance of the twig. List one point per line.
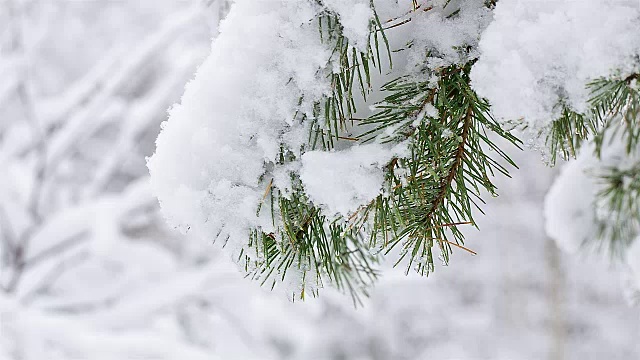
(457, 245)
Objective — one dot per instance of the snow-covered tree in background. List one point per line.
(320, 135)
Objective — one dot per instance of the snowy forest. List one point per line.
(320, 179)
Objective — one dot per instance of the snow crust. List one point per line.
(446, 40)
(215, 155)
(355, 16)
(537, 55)
(343, 180)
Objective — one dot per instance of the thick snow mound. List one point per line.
(217, 153)
(235, 115)
(537, 55)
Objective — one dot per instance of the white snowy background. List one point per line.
(89, 270)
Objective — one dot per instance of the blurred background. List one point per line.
(88, 269)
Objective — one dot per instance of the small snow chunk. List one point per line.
(355, 17)
(342, 181)
(447, 133)
(446, 37)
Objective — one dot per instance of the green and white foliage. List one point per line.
(322, 135)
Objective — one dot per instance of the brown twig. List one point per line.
(457, 245)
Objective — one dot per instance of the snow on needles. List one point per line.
(445, 39)
(537, 55)
(344, 180)
(355, 16)
(216, 152)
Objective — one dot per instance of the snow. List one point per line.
(570, 204)
(355, 16)
(632, 276)
(342, 181)
(538, 55)
(235, 115)
(442, 38)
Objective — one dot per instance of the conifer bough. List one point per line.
(320, 136)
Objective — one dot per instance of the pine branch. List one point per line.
(615, 105)
(354, 65)
(619, 199)
(315, 246)
(437, 188)
(430, 193)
